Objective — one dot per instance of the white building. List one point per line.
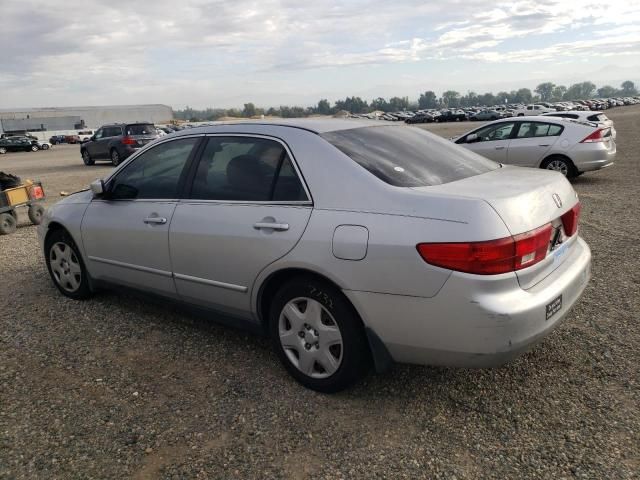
(78, 118)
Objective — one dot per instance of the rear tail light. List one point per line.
(129, 141)
(37, 192)
(597, 136)
(570, 220)
(491, 257)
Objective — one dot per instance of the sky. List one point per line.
(223, 54)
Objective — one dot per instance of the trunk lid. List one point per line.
(525, 199)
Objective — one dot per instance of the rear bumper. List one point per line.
(587, 158)
(473, 322)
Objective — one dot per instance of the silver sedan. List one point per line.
(350, 243)
(568, 146)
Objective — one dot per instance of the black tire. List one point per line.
(62, 237)
(355, 355)
(8, 223)
(3, 150)
(35, 148)
(45, 147)
(115, 157)
(86, 158)
(561, 164)
(35, 214)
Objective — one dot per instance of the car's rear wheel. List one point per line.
(65, 265)
(34, 148)
(45, 147)
(115, 157)
(8, 223)
(317, 335)
(3, 150)
(86, 158)
(560, 164)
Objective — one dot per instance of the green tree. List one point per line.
(380, 104)
(607, 91)
(628, 88)
(451, 98)
(324, 107)
(545, 90)
(523, 95)
(580, 91)
(249, 110)
(398, 103)
(428, 99)
(558, 93)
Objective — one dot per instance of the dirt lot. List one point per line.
(117, 387)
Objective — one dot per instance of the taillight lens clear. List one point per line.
(491, 257)
(128, 141)
(570, 220)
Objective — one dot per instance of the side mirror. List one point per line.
(97, 187)
(472, 138)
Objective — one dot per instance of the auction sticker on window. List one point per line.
(554, 307)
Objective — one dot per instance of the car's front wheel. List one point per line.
(318, 335)
(34, 148)
(3, 150)
(45, 147)
(65, 265)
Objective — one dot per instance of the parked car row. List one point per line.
(496, 112)
(22, 144)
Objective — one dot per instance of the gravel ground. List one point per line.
(117, 387)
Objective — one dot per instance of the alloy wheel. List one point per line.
(310, 337)
(558, 166)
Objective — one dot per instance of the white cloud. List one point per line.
(112, 52)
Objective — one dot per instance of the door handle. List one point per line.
(544, 144)
(155, 220)
(270, 225)
(499, 148)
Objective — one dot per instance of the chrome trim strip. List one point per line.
(213, 283)
(162, 273)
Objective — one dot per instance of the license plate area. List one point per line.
(553, 307)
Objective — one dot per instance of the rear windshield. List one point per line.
(141, 129)
(600, 117)
(408, 156)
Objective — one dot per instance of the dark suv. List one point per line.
(117, 141)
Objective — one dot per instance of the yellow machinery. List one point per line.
(29, 194)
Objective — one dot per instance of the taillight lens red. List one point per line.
(491, 257)
(597, 136)
(570, 220)
(129, 141)
(37, 192)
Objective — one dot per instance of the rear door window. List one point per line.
(246, 169)
(408, 156)
(140, 129)
(537, 129)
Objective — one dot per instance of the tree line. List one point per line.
(544, 92)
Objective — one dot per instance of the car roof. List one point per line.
(314, 125)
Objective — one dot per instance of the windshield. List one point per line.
(408, 156)
(141, 129)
